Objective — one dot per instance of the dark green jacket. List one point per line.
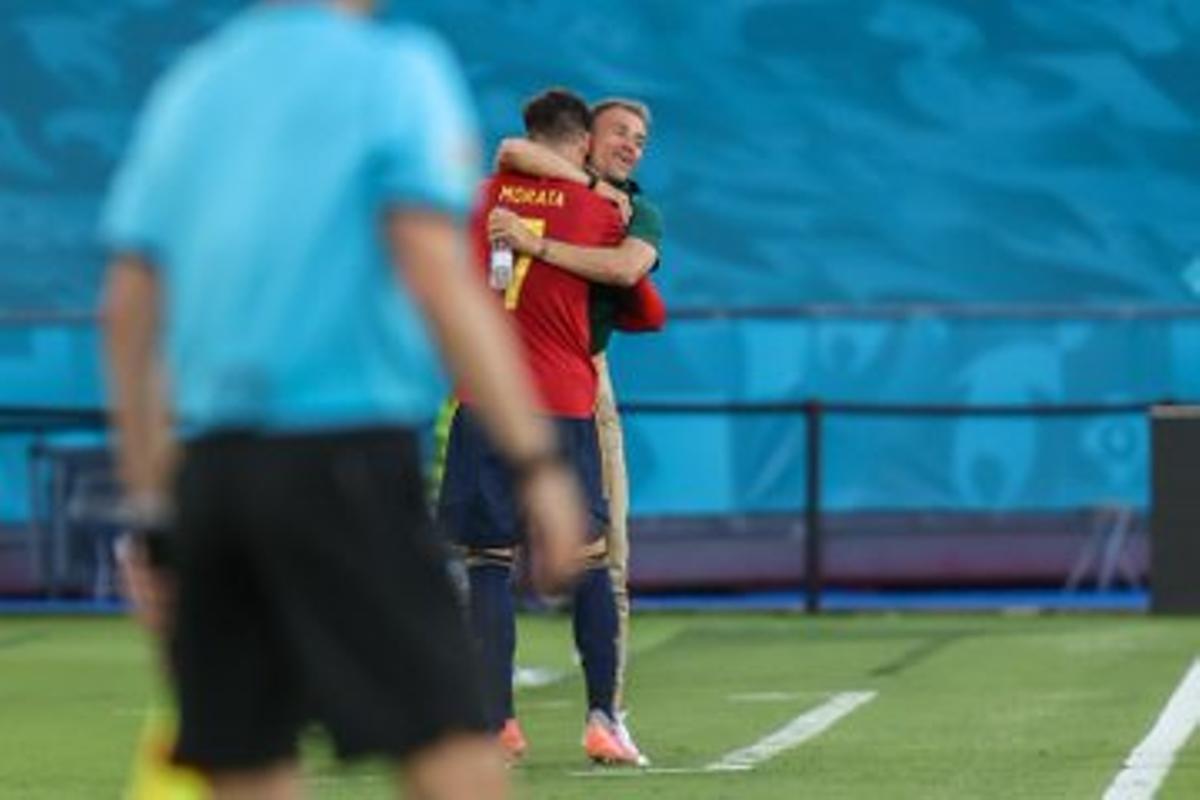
(646, 224)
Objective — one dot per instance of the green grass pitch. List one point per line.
(964, 707)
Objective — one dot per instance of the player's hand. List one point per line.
(148, 587)
(144, 559)
(557, 527)
(617, 197)
(505, 226)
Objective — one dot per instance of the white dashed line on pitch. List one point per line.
(803, 728)
(764, 697)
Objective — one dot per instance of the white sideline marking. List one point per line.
(807, 726)
(547, 704)
(640, 772)
(763, 697)
(1151, 760)
(801, 729)
(536, 677)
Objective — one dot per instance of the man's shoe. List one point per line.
(602, 743)
(626, 739)
(512, 740)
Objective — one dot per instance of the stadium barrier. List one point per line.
(810, 512)
(69, 478)
(70, 484)
(815, 413)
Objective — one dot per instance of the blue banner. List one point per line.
(858, 152)
(820, 151)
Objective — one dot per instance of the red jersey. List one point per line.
(549, 304)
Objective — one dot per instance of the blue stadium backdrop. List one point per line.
(1034, 160)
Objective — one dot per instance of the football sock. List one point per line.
(596, 637)
(494, 625)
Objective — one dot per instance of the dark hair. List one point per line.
(556, 115)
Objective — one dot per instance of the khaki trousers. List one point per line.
(616, 491)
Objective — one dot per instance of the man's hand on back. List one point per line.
(617, 197)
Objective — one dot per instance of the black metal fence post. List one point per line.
(813, 535)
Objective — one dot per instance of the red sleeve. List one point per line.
(642, 309)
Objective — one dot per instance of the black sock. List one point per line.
(596, 637)
(493, 622)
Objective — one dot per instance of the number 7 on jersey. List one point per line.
(512, 294)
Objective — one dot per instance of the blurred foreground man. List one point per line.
(287, 217)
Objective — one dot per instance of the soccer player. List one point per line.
(620, 129)
(289, 215)
(550, 307)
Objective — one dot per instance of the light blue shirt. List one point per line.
(256, 183)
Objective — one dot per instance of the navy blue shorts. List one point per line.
(476, 504)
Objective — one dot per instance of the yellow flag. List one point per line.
(153, 776)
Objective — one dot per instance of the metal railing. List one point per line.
(956, 311)
(72, 317)
(815, 411)
(43, 421)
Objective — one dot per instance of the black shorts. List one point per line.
(476, 502)
(312, 588)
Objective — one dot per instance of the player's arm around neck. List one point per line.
(139, 409)
(530, 158)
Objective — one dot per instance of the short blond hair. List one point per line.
(635, 107)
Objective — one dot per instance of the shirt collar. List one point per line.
(629, 186)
